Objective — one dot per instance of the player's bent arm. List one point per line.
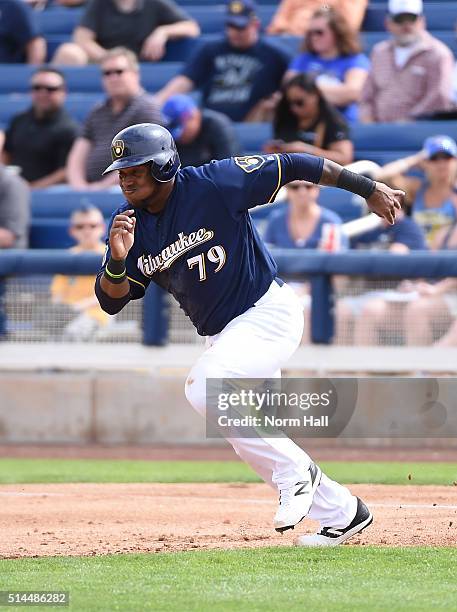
(112, 297)
(112, 287)
(381, 199)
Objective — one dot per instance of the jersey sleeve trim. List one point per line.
(278, 186)
(137, 282)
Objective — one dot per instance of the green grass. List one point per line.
(269, 579)
(97, 470)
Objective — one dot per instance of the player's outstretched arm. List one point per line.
(381, 199)
(112, 287)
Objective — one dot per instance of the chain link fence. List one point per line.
(368, 312)
(33, 317)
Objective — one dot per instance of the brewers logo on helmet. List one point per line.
(117, 148)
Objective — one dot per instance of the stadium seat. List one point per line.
(78, 105)
(49, 234)
(58, 23)
(253, 135)
(399, 137)
(51, 210)
(60, 203)
(16, 77)
(58, 20)
(210, 17)
(346, 205)
(180, 50)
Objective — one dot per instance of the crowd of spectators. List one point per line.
(243, 75)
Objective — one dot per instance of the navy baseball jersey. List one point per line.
(202, 247)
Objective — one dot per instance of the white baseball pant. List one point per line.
(257, 344)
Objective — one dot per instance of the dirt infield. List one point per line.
(96, 519)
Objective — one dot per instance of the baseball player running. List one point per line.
(189, 231)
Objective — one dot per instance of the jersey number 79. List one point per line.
(216, 254)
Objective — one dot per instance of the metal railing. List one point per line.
(25, 278)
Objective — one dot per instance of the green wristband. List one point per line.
(115, 271)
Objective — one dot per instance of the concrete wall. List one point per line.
(147, 408)
(116, 408)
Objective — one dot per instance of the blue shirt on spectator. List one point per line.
(18, 26)
(277, 231)
(233, 80)
(334, 70)
(405, 231)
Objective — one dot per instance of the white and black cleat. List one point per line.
(331, 536)
(295, 502)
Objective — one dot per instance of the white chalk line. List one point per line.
(396, 505)
(24, 494)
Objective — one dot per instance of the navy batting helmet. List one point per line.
(143, 143)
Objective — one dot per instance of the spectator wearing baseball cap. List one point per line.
(432, 199)
(411, 73)
(200, 135)
(237, 74)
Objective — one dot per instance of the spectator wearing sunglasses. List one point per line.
(433, 199)
(237, 74)
(126, 104)
(74, 302)
(303, 223)
(39, 139)
(411, 74)
(305, 122)
(332, 53)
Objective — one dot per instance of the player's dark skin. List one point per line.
(141, 190)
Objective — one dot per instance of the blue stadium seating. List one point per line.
(210, 18)
(58, 23)
(78, 105)
(51, 211)
(16, 77)
(58, 20)
(395, 138)
(253, 135)
(345, 204)
(60, 203)
(399, 136)
(49, 234)
(180, 50)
